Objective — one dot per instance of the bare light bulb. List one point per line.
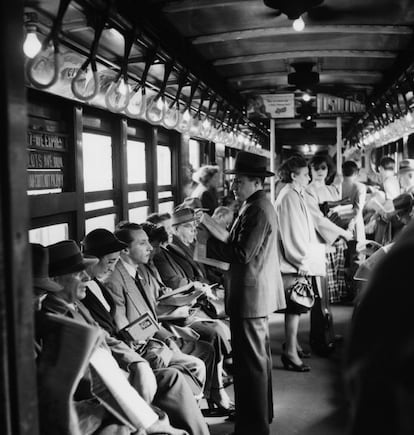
(298, 25)
(306, 97)
(31, 45)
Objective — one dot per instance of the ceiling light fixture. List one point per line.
(298, 24)
(31, 45)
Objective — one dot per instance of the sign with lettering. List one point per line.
(271, 106)
(40, 139)
(44, 160)
(45, 180)
(332, 104)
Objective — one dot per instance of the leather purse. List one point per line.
(301, 293)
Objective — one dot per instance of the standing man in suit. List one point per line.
(255, 291)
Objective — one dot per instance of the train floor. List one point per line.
(305, 403)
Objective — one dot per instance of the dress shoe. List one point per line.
(288, 364)
(301, 353)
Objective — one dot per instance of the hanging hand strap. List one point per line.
(54, 38)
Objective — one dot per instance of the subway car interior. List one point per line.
(110, 111)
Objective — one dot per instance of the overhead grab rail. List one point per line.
(79, 81)
(118, 94)
(33, 65)
(137, 97)
(172, 114)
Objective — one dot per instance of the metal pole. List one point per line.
(272, 159)
(339, 145)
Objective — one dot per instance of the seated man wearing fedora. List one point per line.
(255, 291)
(67, 268)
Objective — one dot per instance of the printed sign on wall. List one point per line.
(271, 106)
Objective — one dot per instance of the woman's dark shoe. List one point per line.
(301, 353)
(217, 409)
(288, 364)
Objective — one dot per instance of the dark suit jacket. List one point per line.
(183, 256)
(172, 274)
(256, 288)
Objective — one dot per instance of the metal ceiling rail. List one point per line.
(175, 6)
(375, 75)
(309, 30)
(304, 54)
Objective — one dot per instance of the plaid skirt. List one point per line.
(335, 272)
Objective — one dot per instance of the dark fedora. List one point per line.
(101, 242)
(183, 216)
(252, 165)
(65, 257)
(40, 265)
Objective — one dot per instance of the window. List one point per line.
(138, 215)
(136, 162)
(50, 234)
(166, 207)
(164, 165)
(99, 204)
(105, 221)
(194, 153)
(97, 162)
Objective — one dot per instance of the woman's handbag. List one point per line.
(301, 293)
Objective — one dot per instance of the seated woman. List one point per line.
(211, 331)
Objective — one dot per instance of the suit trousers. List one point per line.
(174, 396)
(252, 363)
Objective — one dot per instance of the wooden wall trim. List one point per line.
(18, 395)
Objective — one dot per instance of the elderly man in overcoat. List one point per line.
(255, 291)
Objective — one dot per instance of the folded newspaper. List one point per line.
(185, 295)
(214, 228)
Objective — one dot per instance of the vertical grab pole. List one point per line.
(272, 159)
(339, 150)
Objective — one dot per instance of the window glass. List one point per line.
(136, 162)
(50, 234)
(99, 204)
(137, 196)
(107, 221)
(164, 165)
(194, 153)
(138, 215)
(97, 162)
(166, 194)
(43, 191)
(166, 207)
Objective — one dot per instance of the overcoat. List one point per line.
(256, 288)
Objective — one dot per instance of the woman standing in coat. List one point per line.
(296, 234)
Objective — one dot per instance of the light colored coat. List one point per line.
(296, 230)
(357, 193)
(324, 227)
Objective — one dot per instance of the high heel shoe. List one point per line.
(288, 364)
(301, 353)
(217, 409)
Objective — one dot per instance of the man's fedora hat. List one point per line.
(250, 164)
(406, 165)
(183, 215)
(40, 265)
(101, 242)
(65, 257)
